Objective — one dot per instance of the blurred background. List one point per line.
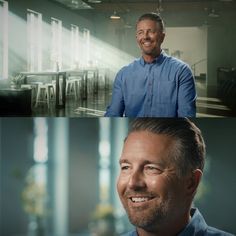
(58, 176)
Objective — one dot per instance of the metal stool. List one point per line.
(72, 86)
(45, 93)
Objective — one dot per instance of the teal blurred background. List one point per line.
(57, 176)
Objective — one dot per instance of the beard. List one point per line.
(149, 217)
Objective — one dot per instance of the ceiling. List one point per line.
(145, 6)
(129, 9)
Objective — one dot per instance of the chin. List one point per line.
(142, 221)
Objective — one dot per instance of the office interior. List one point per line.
(60, 57)
(58, 176)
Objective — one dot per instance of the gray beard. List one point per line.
(148, 219)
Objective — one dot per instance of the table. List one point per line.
(60, 98)
(60, 103)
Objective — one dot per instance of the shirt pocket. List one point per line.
(166, 92)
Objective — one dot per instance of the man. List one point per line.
(155, 85)
(161, 166)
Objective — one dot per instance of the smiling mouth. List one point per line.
(147, 43)
(140, 199)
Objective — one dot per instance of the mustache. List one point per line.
(134, 193)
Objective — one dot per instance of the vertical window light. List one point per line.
(56, 48)
(60, 160)
(86, 37)
(34, 38)
(35, 190)
(74, 46)
(104, 161)
(3, 39)
(40, 140)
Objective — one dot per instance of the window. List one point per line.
(56, 49)
(86, 37)
(74, 46)
(3, 39)
(34, 38)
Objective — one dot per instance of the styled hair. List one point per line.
(154, 17)
(188, 153)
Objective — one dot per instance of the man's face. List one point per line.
(149, 37)
(148, 186)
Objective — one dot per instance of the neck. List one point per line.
(170, 228)
(149, 58)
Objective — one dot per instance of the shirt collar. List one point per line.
(155, 61)
(196, 224)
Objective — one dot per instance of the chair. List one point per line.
(72, 86)
(45, 94)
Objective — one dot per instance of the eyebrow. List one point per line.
(123, 161)
(146, 162)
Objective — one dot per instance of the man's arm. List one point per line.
(186, 94)
(117, 106)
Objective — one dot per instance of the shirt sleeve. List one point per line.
(186, 94)
(117, 106)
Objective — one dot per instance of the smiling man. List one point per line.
(161, 166)
(155, 85)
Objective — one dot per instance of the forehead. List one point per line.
(142, 145)
(147, 24)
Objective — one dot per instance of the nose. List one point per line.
(136, 180)
(146, 33)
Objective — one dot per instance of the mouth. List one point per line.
(140, 200)
(147, 43)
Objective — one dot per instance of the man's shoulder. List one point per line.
(133, 66)
(198, 226)
(175, 61)
(216, 232)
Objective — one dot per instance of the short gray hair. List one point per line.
(189, 151)
(154, 17)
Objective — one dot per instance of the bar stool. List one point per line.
(72, 86)
(45, 93)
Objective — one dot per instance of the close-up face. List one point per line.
(148, 186)
(149, 37)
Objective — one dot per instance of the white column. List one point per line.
(60, 185)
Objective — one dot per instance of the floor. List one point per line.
(96, 104)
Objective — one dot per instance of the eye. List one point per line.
(124, 167)
(152, 169)
(140, 33)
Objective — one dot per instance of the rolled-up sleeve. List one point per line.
(186, 94)
(117, 106)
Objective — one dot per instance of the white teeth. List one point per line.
(139, 199)
(147, 43)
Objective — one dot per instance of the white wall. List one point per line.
(191, 41)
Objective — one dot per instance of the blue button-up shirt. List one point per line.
(196, 227)
(163, 88)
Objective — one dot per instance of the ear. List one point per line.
(193, 181)
(163, 36)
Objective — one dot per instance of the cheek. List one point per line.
(154, 184)
(120, 185)
(158, 185)
(138, 41)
